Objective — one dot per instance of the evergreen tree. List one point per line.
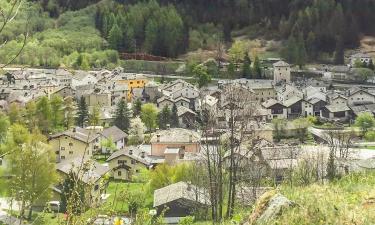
(246, 67)
(137, 107)
(301, 49)
(371, 65)
(44, 114)
(122, 116)
(57, 112)
(339, 51)
(69, 109)
(83, 113)
(115, 37)
(164, 118)
(174, 117)
(94, 117)
(257, 71)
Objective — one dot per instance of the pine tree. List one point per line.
(246, 67)
(174, 117)
(339, 51)
(83, 113)
(257, 71)
(115, 37)
(122, 116)
(94, 117)
(137, 107)
(301, 49)
(164, 118)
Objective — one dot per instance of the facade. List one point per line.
(275, 109)
(187, 140)
(281, 72)
(132, 81)
(360, 57)
(74, 143)
(360, 97)
(116, 135)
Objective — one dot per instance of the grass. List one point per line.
(370, 147)
(346, 201)
(115, 200)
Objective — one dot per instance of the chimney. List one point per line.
(74, 130)
(158, 138)
(190, 138)
(168, 126)
(142, 154)
(130, 152)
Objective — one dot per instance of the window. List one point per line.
(66, 137)
(63, 157)
(96, 187)
(70, 144)
(131, 82)
(62, 148)
(133, 161)
(121, 161)
(57, 152)
(137, 171)
(70, 152)
(119, 173)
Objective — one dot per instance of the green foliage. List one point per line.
(279, 126)
(4, 125)
(149, 114)
(122, 116)
(205, 36)
(94, 116)
(57, 112)
(301, 125)
(370, 136)
(174, 117)
(188, 220)
(137, 107)
(136, 132)
(246, 67)
(83, 113)
(202, 78)
(257, 71)
(44, 114)
(365, 121)
(164, 118)
(363, 74)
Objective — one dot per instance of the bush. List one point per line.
(370, 136)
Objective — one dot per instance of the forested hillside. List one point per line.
(310, 28)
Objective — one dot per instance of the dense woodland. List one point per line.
(84, 33)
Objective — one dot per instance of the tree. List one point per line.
(231, 70)
(339, 51)
(301, 125)
(149, 114)
(164, 118)
(4, 125)
(365, 121)
(301, 52)
(174, 117)
(137, 131)
(237, 52)
(246, 67)
(57, 112)
(363, 74)
(201, 76)
(69, 111)
(108, 145)
(115, 37)
(82, 113)
(122, 116)
(44, 114)
(32, 165)
(279, 126)
(371, 65)
(94, 117)
(137, 106)
(15, 113)
(257, 71)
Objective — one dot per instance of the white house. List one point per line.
(360, 97)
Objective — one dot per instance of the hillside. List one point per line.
(90, 33)
(349, 200)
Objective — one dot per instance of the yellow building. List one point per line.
(74, 143)
(123, 164)
(133, 81)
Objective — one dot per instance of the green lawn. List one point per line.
(117, 188)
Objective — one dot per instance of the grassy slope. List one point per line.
(346, 201)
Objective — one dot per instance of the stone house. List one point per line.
(188, 140)
(114, 133)
(275, 109)
(281, 72)
(360, 97)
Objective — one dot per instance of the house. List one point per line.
(338, 100)
(65, 91)
(360, 97)
(116, 135)
(209, 103)
(360, 57)
(74, 143)
(186, 117)
(188, 140)
(281, 72)
(169, 102)
(125, 163)
(337, 73)
(98, 97)
(318, 104)
(288, 91)
(263, 89)
(89, 172)
(131, 80)
(275, 109)
(180, 200)
(83, 78)
(357, 109)
(311, 92)
(336, 112)
(297, 107)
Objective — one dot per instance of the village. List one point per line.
(271, 125)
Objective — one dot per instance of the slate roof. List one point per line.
(114, 132)
(92, 171)
(292, 101)
(337, 108)
(78, 133)
(176, 135)
(181, 110)
(136, 155)
(281, 64)
(270, 102)
(187, 193)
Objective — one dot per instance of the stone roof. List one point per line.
(176, 135)
(133, 153)
(187, 193)
(292, 101)
(337, 108)
(360, 55)
(181, 110)
(78, 133)
(281, 64)
(270, 102)
(89, 170)
(114, 132)
(363, 108)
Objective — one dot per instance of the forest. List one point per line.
(91, 33)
